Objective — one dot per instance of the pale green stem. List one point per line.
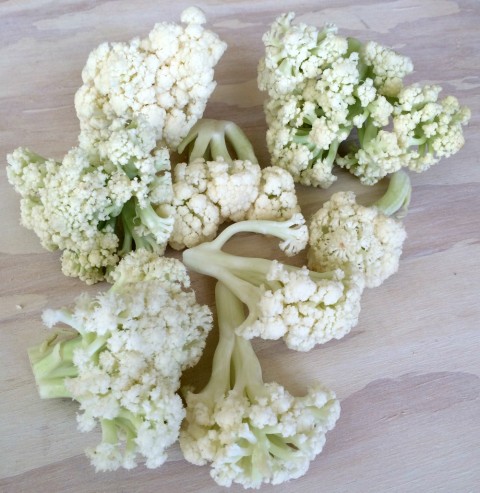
(396, 199)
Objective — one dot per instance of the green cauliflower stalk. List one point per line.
(120, 355)
(250, 432)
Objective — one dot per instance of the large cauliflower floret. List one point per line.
(304, 308)
(251, 432)
(323, 88)
(68, 205)
(121, 359)
(95, 211)
(344, 234)
(165, 78)
(317, 99)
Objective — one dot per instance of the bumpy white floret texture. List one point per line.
(267, 439)
(389, 67)
(277, 197)
(304, 309)
(344, 233)
(165, 78)
(311, 80)
(65, 208)
(208, 193)
(138, 337)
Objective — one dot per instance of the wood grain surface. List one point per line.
(408, 376)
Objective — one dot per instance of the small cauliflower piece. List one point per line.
(344, 234)
(304, 308)
(389, 68)
(165, 78)
(425, 130)
(277, 197)
(120, 355)
(250, 432)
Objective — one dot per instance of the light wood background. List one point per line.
(408, 375)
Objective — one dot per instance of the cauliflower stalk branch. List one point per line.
(212, 139)
(304, 308)
(252, 432)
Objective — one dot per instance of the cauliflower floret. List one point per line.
(165, 78)
(207, 193)
(424, 131)
(251, 432)
(389, 67)
(233, 187)
(77, 204)
(277, 198)
(304, 308)
(344, 234)
(122, 359)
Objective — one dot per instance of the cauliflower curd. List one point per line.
(121, 356)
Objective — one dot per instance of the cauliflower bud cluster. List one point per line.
(120, 355)
(324, 89)
(165, 78)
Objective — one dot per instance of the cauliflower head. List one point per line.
(94, 211)
(251, 432)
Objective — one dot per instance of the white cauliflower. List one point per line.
(208, 193)
(277, 197)
(251, 432)
(323, 89)
(344, 234)
(165, 78)
(304, 308)
(221, 182)
(389, 68)
(122, 356)
(425, 130)
(96, 211)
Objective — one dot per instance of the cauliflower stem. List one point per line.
(213, 139)
(250, 431)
